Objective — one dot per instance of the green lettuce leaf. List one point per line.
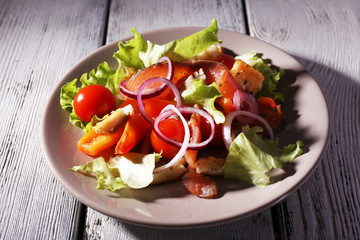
(128, 53)
(132, 170)
(135, 169)
(204, 95)
(251, 158)
(106, 179)
(183, 48)
(271, 76)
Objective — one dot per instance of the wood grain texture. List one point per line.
(324, 37)
(127, 14)
(39, 43)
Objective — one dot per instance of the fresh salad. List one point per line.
(160, 111)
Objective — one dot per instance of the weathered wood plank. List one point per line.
(324, 38)
(40, 40)
(127, 14)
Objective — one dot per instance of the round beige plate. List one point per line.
(169, 205)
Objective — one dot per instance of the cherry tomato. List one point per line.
(225, 59)
(93, 99)
(172, 128)
(206, 130)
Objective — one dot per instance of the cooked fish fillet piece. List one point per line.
(210, 166)
(246, 77)
(111, 123)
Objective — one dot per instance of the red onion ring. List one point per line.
(149, 94)
(229, 119)
(184, 145)
(241, 97)
(153, 92)
(191, 146)
(166, 82)
(170, 67)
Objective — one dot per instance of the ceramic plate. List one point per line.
(169, 205)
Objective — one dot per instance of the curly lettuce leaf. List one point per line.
(204, 95)
(251, 158)
(128, 53)
(183, 48)
(132, 170)
(106, 179)
(271, 76)
(135, 169)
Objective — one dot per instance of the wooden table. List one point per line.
(40, 40)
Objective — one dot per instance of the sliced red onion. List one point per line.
(166, 82)
(153, 92)
(189, 110)
(149, 94)
(229, 119)
(241, 97)
(170, 67)
(184, 145)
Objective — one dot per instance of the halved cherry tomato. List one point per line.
(172, 128)
(93, 100)
(225, 59)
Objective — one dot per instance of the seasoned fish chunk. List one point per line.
(246, 77)
(111, 123)
(210, 166)
(170, 174)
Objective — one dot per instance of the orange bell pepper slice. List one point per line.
(93, 143)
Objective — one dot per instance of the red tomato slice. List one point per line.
(171, 128)
(93, 100)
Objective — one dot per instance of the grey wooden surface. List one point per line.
(40, 40)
